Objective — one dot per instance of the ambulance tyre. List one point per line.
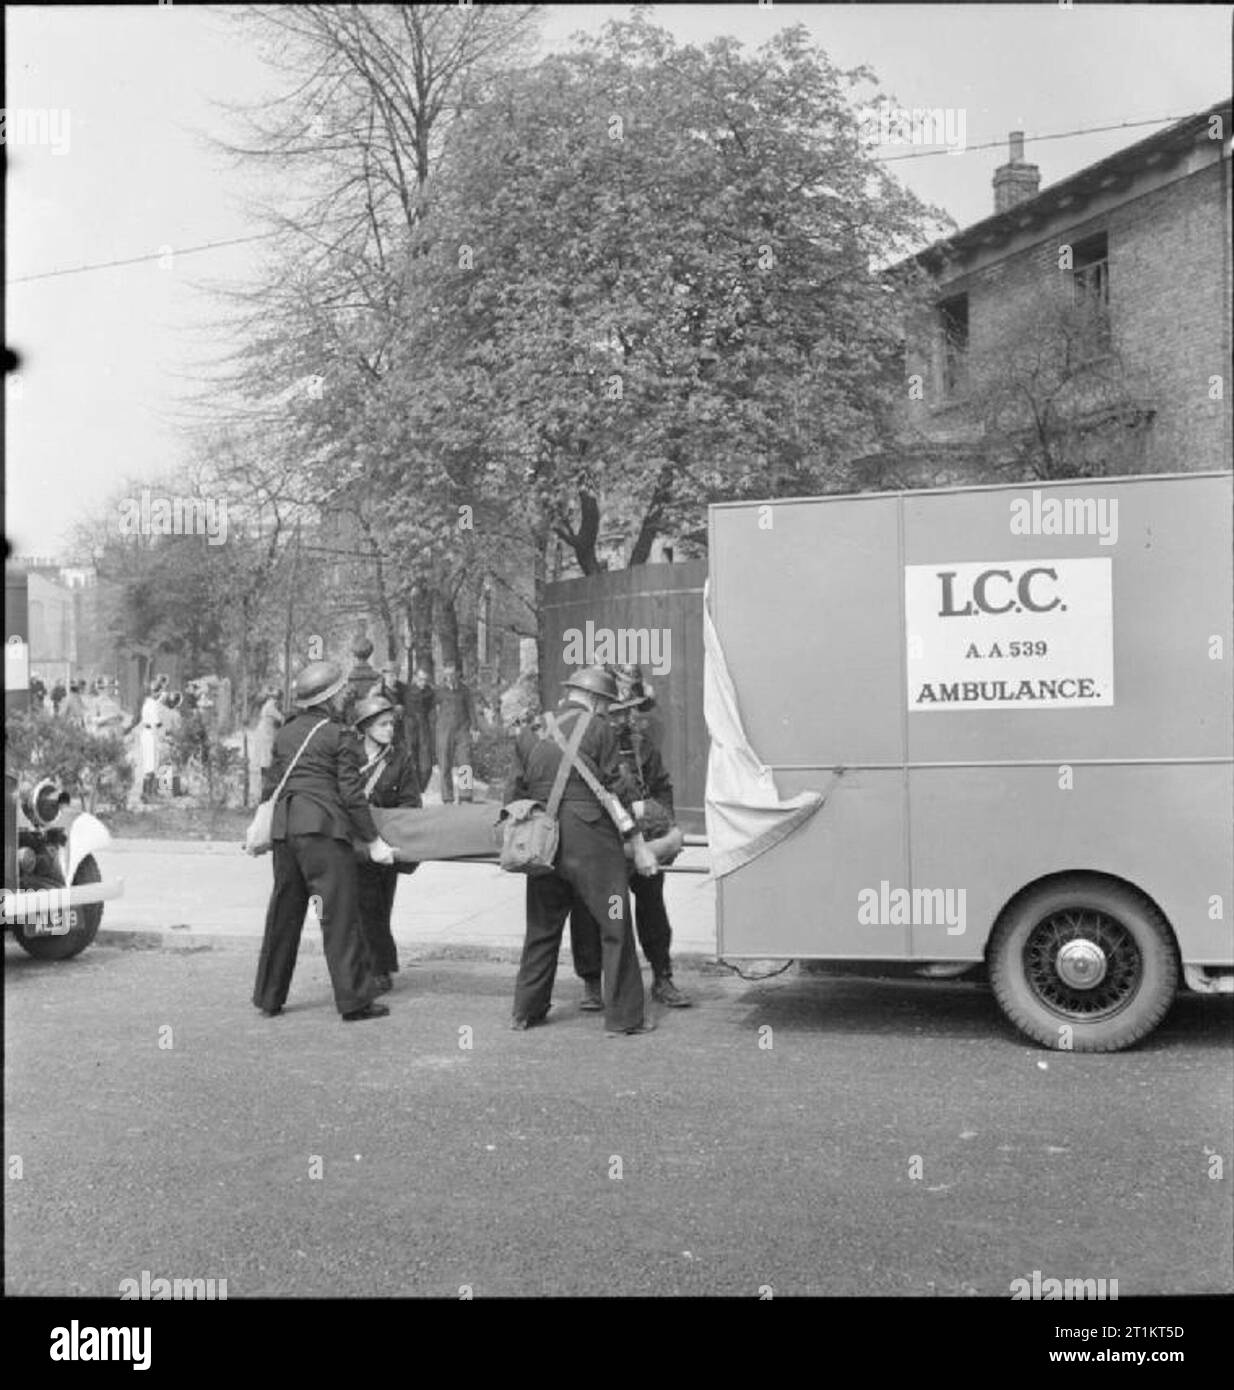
(89, 917)
(1083, 963)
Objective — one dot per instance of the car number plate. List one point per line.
(53, 923)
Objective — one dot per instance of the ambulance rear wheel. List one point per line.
(1084, 963)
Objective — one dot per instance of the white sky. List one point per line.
(108, 353)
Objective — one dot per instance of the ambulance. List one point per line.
(1000, 724)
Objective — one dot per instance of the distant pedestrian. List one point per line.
(261, 744)
(149, 744)
(75, 706)
(57, 697)
(171, 713)
(455, 723)
(418, 709)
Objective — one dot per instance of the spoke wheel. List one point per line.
(1083, 963)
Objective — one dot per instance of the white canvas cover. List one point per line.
(745, 815)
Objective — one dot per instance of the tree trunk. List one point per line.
(420, 626)
(583, 541)
(244, 701)
(650, 527)
(543, 538)
(445, 620)
(588, 533)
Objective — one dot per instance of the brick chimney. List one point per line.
(1015, 182)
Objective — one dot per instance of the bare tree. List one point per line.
(345, 157)
(1053, 393)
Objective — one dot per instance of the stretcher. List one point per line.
(465, 832)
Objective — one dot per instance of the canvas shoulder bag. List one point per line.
(531, 832)
(259, 838)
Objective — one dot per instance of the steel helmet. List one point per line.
(318, 682)
(598, 679)
(370, 707)
(634, 692)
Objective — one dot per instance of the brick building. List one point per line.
(1081, 329)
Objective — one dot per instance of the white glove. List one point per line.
(380, 852)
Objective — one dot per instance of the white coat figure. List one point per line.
(261, 742)
(148, 742)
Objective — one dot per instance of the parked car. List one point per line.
(53, 887)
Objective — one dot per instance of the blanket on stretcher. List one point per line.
(466, 830)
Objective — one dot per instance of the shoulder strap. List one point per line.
(375, 769)
(568, 760)
(605, 798)
(278, 791)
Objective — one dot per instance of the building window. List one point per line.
(1090, 284)
(1090, 272)
(953, 323)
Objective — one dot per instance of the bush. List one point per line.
(95, 768)
(492, 758)
(206, 759)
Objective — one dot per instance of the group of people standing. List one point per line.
(434, 725)
(162, 712)
(73, 702)
(336, 758)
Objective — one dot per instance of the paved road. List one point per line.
(497, 1166)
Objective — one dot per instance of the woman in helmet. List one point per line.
(391, 778)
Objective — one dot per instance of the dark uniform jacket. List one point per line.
(536, 760)
(644, 775)
(418, 702)
(453, 709)
(324, 794)
(398, 783)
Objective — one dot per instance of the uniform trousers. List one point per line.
(590, 871)
(651, 924)
(454, 750)
(375, 884)
(307, 866)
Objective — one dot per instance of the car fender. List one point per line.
(86, 834)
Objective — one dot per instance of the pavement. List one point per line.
(187, 893)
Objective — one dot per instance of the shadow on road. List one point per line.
(946, 1009)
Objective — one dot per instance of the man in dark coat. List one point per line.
(321, 810)
(646, 786)
(590, 867)
(455, 721)
(390, 779)
(418, 702)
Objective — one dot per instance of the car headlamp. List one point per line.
(44, 803)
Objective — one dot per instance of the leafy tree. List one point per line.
(645, 283)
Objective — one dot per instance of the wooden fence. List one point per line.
(653, 615)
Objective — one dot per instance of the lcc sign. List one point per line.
(1022, 634)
